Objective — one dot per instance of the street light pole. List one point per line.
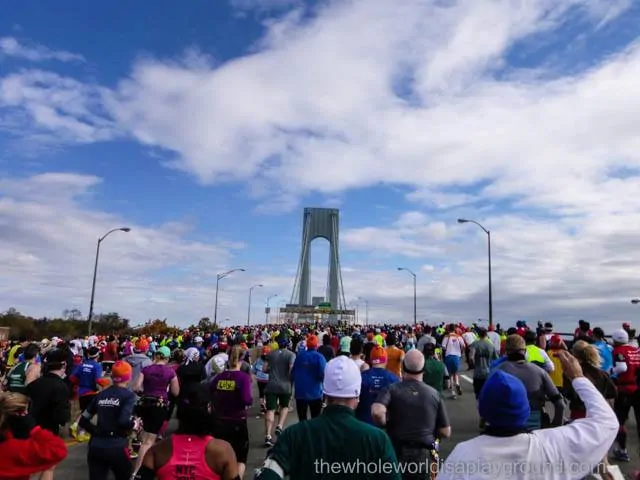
(462, 220)
(249, 309)
(267, 311)
(415, 294)
(219, 277)
(95, 271)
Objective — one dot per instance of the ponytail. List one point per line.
(11, 403)
(234, 358)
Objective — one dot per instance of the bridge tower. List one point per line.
(320, 223)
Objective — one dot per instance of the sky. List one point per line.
(208, 128)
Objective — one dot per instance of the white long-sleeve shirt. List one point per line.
(562, 453)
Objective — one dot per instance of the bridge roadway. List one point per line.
(462, 414)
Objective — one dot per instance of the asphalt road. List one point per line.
(462, 414)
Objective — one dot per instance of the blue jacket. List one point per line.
(606, 355)
(374, 381)
(308, 374)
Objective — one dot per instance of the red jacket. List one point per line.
(22, 458)
(627, 381)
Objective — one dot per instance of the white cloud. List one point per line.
(314, 108)
(11, 47)
(47, 250)
(556, 269)
(54, 109)
(317, 98)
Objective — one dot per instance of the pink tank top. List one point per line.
(188, 460)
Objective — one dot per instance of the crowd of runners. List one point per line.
(118, 393)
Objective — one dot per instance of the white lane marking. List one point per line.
(470, 380)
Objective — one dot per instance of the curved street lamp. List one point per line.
(95, 271)
(635, 301)
(219, 277)
(415, 296)
(249, 309)
(463, 220)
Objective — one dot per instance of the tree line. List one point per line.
(72, 324)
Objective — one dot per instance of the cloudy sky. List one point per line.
(207, 129)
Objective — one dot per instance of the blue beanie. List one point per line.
(503, 401)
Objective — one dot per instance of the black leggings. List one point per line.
(622, 406)
(314, 406)
(103, 460)
(261, 387)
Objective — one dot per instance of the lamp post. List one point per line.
(219, 277)
(415, 296)
(267, 311)
(462, 220)
(249, 310)
(95, 271)
(366, 310)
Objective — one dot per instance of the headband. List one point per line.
(410, 372)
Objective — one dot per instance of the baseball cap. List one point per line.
(620, 336)
(121, 372)
(378, 356)
(164, 351)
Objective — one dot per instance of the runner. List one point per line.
(453, 346)
(231, 394)
(191, 449)
(153, 384)
(114, 408)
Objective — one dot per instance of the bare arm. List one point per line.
(174, 386)
(137, 386)
(379, 414)
(33, 373)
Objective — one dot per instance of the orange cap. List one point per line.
(378, 355)
(142, 345)
(312, 341)
(121, 372)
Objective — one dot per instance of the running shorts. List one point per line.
(153, 415)
(478, 383)
(237, 434)
(85, 400)
(275, 400)
(452, 362)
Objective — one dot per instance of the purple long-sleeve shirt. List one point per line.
(231, 391)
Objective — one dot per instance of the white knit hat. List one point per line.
(342, 378)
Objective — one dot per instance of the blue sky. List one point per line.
(208, 129)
